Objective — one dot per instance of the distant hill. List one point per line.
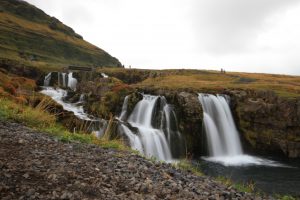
(30, 37)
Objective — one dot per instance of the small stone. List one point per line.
(63, 196)
(30, 192)
(26, 175)
(21, 141)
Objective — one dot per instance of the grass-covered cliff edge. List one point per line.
(266, 107)
(30, 37)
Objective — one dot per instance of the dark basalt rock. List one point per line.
(133, 99)
(190, 117)
(270, 124)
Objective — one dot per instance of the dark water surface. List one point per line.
(271, 180)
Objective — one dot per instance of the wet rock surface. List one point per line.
(34, 165)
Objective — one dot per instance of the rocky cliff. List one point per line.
(268, 119)
(269, 123)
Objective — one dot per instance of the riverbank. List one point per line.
(35, 165)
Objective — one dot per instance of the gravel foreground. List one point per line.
(34, 165)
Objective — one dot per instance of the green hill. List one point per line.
(30, 37)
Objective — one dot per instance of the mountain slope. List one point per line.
(31, 37)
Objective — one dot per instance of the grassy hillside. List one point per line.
(205, 80)
(30, 37)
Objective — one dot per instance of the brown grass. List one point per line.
(285, 86)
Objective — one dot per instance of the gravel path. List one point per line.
(34, 165)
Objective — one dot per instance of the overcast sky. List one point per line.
(238, 35)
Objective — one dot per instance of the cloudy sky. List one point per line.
(238, 35)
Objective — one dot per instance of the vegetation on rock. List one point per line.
(30, 37)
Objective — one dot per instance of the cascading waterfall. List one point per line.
(95, 125)
(134, 140)
(72, 82)
(81, 98)
(170, 121)
(63, 79)
(47, 79)
(150, 138)
(58, 95)
(104, 75)
(221, 132)
(123, 114)
(222, 136)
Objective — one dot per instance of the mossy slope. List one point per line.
(31, 37)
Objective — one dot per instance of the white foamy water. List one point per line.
(222, 136)
(147, 139)
(243, 160)
(58, 95)
(104, 75)
(72, 82)
(153, 140)
(123, 114)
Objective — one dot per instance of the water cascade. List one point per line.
(104, 75)
(169, 123)
(81, 98)
(47, 79)
(96, 125)
(64, 78)
(58, 95)
(124, 109)
(72, 82)
(222, 136)
(143, 129)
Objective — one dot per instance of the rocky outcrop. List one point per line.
(269, 123)
(190, 115)
(103, 96)
(14, 67)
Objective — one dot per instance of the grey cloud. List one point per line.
(76, 13)
(231, 26)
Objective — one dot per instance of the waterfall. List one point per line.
(72, 82)
(47, 79)
(222, 135)
(81, 98)
(61, 80)
(169, 123)
(94, 125)
(123, 114)
(134, 139)
(104, 75)
(149, 138)
(101, 128)
(64, 79)
(58, 95)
